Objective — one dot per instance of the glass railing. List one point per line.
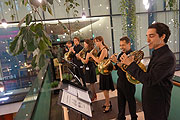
(37, 103)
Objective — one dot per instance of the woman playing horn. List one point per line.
(90, 72)
(105, 82)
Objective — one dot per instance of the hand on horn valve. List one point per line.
(126, 60)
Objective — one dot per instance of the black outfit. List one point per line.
(157, 85)
(78, 71)
(126, 91)
(90, 72)
(105, 81)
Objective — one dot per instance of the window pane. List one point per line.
(99, 7)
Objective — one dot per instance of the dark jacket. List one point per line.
(77, 49)
(157, 85)
(122, 82)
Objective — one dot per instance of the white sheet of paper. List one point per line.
(83, 95)
(71, 89)
(78, 104)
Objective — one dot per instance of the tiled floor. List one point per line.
(97, 114)
(100, 96)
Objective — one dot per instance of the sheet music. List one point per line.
(73, 90)
(83, 95)
(73, 101)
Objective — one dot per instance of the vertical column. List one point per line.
(151, 16)
(89, 7)
(111, 23)
(179, 31)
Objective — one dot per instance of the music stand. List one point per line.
(72, 100)
(75, 76)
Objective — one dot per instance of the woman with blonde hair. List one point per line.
(106, 82)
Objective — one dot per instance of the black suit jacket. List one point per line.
(157, 85)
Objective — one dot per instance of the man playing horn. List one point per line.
(125, 89)
(157, 85)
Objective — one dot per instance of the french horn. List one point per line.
(138, 56)
(68, 56)
(82, 53)
(105, 67)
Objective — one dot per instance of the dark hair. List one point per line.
(69, 42)
(90, 44)
(100, 38)
(76, 38)
(161, 29)
(126, 38)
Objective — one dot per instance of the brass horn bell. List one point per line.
(138, 56)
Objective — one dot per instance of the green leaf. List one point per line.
(49, 9)
(32, 27)
(12, 17)
(76, 11)
(49, 54)
(13, 44)
(42, 46)
(47, 39)
(19, 46)
(38, 29)
(71, 1)
(50, 1)
(42, 61)
(6, 3)
(9, 2)
(71, 5)
(28, 19)
(31, 46)
(77, 4)
(44, 7)
(33, 63)
(25, 2)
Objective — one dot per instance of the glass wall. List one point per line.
(99, 21)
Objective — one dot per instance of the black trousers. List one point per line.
(124, 96)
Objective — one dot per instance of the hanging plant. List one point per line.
(128, 12)
(173, 6)
(33, 37)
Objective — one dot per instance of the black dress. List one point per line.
(90, 72)
(105, 81)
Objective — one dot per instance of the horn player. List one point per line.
(125, 89)
(76, 49)
(157, 85)
(105, 81)
(90, 69)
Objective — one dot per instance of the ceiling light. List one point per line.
(40, 1)
(83, 15)
(4, 23)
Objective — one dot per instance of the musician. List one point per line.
(125, 89)
(68, 46)
(90, 71)
(157, 85)
(76, 49)
(106, 82)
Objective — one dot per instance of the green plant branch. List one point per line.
(33, 37)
